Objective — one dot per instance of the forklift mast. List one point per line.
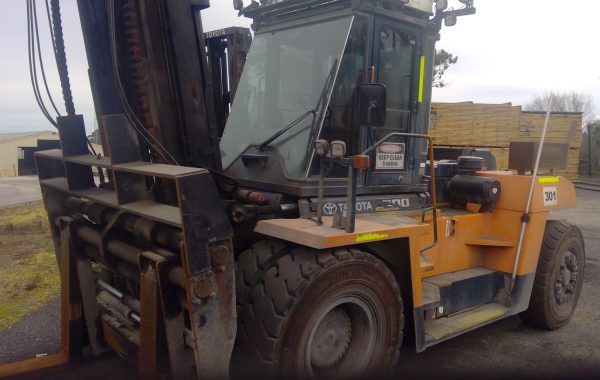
(171, 241)
(227, 51)
(157, 48)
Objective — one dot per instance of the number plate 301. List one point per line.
(550, 196)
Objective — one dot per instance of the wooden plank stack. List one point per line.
(494, 126)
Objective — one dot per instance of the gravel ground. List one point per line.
(16, 190)
(35, 334)
(508, 348)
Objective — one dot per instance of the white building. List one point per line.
(17, 149)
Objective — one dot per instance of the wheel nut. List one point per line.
(220, 256)
(204, 287)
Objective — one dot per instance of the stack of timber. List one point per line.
(494, 126)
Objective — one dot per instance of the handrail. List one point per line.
(525, 217)
(430, 154)
(431, 172)
(435, 229)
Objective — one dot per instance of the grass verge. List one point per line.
(28, 269)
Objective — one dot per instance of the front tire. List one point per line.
(316, 313)
(558, 278)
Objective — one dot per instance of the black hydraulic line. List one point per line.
(37, 35)
(61, 58)
(126, 252)
(33, 37)
(58, 46)
(117, 307)
(32, 64)
(162, 235)
(133, 303)
(39, 50)
(128, 111)
(30, 58)
(50, 26)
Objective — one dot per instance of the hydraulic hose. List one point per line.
(61, 57)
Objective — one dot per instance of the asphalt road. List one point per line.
(16, 190)
(35, 334)
(508, 348)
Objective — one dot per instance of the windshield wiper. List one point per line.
(283, 130)
(321, 108)
(321, 105)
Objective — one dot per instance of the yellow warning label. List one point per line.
(548, 179)
(370, 237)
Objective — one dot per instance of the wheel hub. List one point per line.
(331, 339)
(566, 279)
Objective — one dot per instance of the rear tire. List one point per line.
(305, 313)
(558, 278)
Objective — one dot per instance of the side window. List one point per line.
(395, 70)
(340, 115)
(340, 118)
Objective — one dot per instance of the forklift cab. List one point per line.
(300, 84)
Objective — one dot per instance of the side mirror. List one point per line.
(450, 20)
(441, 5)
(238, 5)
(372, 104)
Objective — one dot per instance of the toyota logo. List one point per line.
(329, 208)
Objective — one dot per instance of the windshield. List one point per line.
(283, 78)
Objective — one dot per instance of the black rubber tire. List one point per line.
(560, 238)
(281, 289)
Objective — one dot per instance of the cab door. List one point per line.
(396, 62)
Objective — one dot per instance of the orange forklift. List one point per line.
(318, 230)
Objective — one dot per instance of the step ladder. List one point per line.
(456, 302)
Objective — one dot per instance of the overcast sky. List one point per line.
(508, 52)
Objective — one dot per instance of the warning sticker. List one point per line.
(549, 179)
(550, 196)
(370, 237)
(390, 156)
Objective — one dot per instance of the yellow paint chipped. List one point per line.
(549, 179)
(361, 238)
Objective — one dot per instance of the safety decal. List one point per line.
(361, 238)
(549, 179)
(390, 156)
